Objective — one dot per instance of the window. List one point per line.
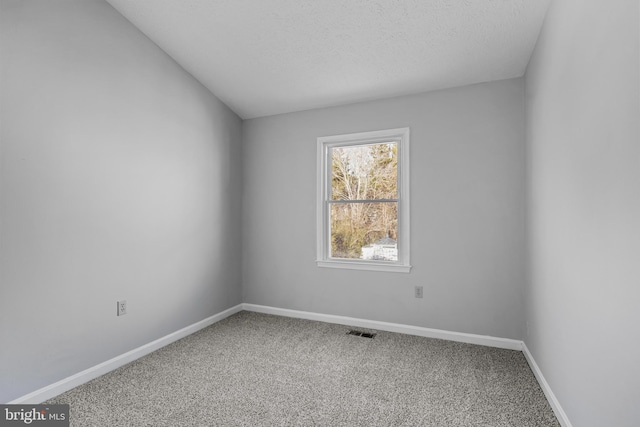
(363, 201)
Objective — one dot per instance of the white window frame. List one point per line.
(323, 227)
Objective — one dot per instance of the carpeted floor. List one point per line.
(255, 369)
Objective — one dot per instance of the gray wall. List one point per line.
(467, 207)
(120, 178)
(583, 299)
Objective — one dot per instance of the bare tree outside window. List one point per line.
(364, 201)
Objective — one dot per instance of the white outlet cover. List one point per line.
(121, 308)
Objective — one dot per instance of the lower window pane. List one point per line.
(366, 231)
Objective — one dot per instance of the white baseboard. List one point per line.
(68, 383)
(544, 385)
(486, 340)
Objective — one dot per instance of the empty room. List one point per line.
(330, 213)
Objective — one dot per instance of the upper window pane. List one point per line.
(364, 172)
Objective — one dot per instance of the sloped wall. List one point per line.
(120, 179)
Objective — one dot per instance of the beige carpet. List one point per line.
(255, 369)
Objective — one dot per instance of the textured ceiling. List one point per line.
(264, 57)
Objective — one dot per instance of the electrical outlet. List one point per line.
(122, 307)
(418, 291)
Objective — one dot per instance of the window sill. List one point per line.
(359, 265)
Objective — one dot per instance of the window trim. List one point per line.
(323, 229)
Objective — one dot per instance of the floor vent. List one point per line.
(361, 334)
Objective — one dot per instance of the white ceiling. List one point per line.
(265, 57)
